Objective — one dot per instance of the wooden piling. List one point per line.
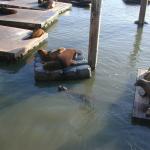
(94, 33)
(142, 13)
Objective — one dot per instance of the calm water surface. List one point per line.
(36, 117)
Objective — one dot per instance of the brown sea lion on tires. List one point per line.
(49, 55)
(7, 11)
(66, 56)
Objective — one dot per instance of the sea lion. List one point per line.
(37, 32)
(7, 11)
(65, 56)
(43, 55)
(145, 85)
(62, 88)
(77, 96)
(40, 1)
(49, 55)
(52, 65)
(146, 75)
(48, 4)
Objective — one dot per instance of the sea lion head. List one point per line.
(42, 52)
(62, 88)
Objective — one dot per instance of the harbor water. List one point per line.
(35, 116)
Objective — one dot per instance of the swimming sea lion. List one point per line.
(79, 97)
(7, 11)
(62, 88)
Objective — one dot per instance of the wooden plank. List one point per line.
(94, 33)
(140, 103)
(29, 19)
(142, 12)
(12, 42)
(25, 4)
(30, 4)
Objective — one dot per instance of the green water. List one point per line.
(36, 117)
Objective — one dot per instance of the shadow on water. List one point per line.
(136, 47)
(131, 2)
(14, 67)
(118, 133)
(86, 7)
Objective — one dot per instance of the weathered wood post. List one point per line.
(94, 33)
(142, 13)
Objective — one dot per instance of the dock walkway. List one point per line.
(29, 19)
(33, 4)
(28, 16)
(140, 104)
(13, 45)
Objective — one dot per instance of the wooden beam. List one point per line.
(94, 33)
(142, 13)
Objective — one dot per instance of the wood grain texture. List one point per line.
(94, 33)
(140, 103)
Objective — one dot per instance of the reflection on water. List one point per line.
(35, 116)
(136, 46)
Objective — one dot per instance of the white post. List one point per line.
(94, 33)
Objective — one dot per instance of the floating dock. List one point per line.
(33, 4)
(81, 70)
(140, 104)
(29, 19)
(134, 1)
(29, 15)
(13, 46)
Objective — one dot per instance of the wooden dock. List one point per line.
(32, 4)
(29, 19)
(13, 46)
(134, 1)
(28, 16)
(140, 104)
